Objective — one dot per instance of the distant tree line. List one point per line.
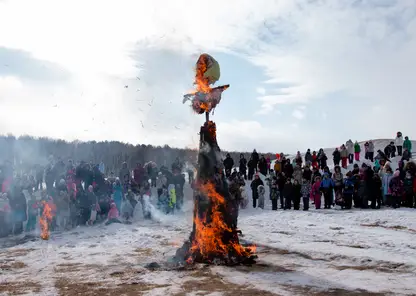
(27, 151)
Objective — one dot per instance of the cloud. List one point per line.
(334, 56)
(261, 90)
(298, 114)
(23, 64)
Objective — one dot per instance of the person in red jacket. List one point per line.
(315, 160)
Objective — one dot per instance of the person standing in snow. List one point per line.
(254, 189)
(322, 158)
(357, 151)
(407, 144)
(255, 157)
(344, 156)
(348, 190)
(336, 156)
(396, 189)
(350, 148)
(243, 166)
(262, 164)
(316, 192)
(298, 159)
(327, 185)
(228, 165)
(385, 181)
(308, 157)
(306, 193)
(260, 192)
(251, 168)
(371, 151)
(366, 144)
(399, 143)
(315, 163)
(288, 194)
(297, 187)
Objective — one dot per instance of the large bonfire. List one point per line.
(214, 237)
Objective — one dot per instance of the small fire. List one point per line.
(209, 239)
(45, 220)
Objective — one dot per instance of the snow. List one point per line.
(335, 252)
(318, 250)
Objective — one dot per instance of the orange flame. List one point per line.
(44, 221)
(201, 82)
(209, 234)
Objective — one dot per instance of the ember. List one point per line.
(214, 237)
(45, 220)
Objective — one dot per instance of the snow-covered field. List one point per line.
(320, 252)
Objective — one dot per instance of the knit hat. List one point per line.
(396, 173)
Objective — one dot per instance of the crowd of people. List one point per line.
(309, 179)
(84, 194)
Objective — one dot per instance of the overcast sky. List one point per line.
(303, 74)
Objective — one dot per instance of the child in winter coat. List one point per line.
(348, 190)
(113, 215)
(316, 192)
(306, 192)
(296, 194)
(261, 191)
(288, 194)
(274, 192)
(396, 189)
(385, 183)
(327, 185)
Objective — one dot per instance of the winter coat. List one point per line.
(308, 157)
(297, 174)
(306, 190)
(243, 165)
(322, 160)
(357, 148)
(113, 213)
(399, 141)
(228, 163)
(263, 166)
(371, 147)
(407, 144)
(338, 179)
(350, 147)
(396, 186)
(138, 175)
(408, 185)
(254, 185)
(278, 166)
(344, 153)
(288, 170)
(327, 183)
(315, 190)
(288, 191)
(307, 174)
(349, 185)
(337, 156)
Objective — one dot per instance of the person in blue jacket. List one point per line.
(327, 185)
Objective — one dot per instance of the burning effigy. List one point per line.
(214, 238)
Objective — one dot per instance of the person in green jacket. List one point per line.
(407, 144)
(357, 150)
